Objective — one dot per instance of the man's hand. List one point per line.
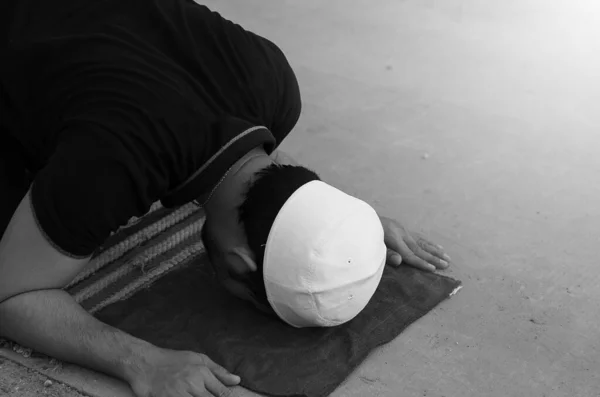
(283, 158)
(49, 320)
(182, 374)
(411, 249)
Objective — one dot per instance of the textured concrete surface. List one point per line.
(19, 381)
(475, 122)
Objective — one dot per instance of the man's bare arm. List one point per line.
(52, 322)
(28, 261)
(35, 312)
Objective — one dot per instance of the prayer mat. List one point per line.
(152, 280)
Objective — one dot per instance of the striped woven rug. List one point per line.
(138, 254)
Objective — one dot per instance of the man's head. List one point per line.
(292, 244)
(239, 217)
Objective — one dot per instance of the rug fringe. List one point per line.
(180, 258)
(119, 250)
(140, 260)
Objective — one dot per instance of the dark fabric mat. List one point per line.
(188, 310)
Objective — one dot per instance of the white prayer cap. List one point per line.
(324, 257)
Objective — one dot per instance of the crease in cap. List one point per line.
(324, 257)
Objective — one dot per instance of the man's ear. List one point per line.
(246, 258)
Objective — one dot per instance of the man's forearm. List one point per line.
(52, 322)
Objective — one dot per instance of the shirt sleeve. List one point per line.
(89, 188)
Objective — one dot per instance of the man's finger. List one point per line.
(409, 258)
(222, 374)
(436, 262)
(203, 393)
(205, 384)
(393, 258)
(197, 393)
(432, 248)
(198, 388)
(217, 388)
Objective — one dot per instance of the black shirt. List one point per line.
(121, 103)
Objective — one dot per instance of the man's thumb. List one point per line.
(393, 258)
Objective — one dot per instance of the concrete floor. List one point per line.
(475, 122)
(503, 96)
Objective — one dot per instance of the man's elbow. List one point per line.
(28, 262)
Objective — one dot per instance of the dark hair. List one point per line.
(265, 196)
